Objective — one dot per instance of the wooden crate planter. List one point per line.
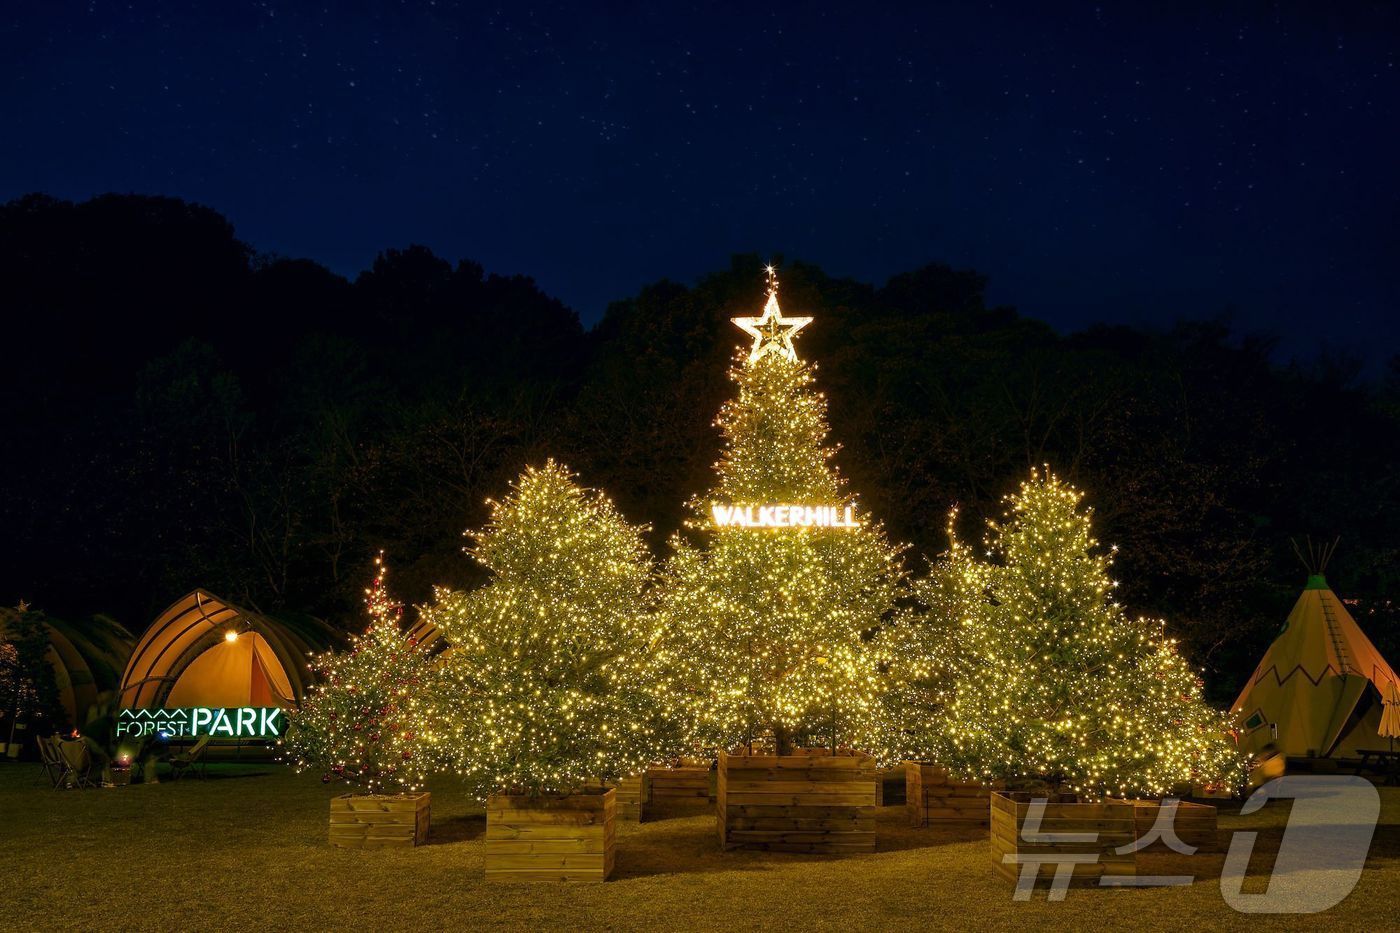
(1195, 824)
(631, 797)
(812, 802)
(933, 798)
(678, 791)
(366, 821)
(553, 838)
(1113, 822)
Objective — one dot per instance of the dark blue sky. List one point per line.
(1097, 162)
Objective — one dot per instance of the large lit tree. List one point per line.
(1051, 680)
(372, 720)
(770, 618)
(551, 668)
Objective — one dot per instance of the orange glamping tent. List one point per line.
(206, 651)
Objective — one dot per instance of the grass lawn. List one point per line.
(246, 849)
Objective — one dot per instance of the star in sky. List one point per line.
(772, 333)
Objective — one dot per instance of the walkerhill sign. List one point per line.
(784, 516)
(235, 722)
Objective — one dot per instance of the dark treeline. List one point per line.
(179, 411)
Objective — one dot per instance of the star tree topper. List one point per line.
(772, 333)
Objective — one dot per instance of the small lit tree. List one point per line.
(28, 689)
(371, 720)
(1052, 680)
(769, 628)
(551, 670)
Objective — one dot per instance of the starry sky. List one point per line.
(1112, 162)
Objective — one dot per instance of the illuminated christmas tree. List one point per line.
(770, 620)
(551, 668)
(1052, 681)
(371, 720)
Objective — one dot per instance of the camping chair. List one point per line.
(78, 758)
(181, 762)
(55, 767)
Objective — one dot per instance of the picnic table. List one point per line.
(1384, 761)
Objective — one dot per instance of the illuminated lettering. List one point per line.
(249, 722)
(784, 516)
(221, 723)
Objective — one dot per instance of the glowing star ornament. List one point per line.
(766, 616)
(771, 332)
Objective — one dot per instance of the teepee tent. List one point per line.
(1317, 693)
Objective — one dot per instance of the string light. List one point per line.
(772, 333)
(552, 670)
(373, 718)
(768, 629)
(1039, 674)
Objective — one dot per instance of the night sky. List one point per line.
(1097, 162)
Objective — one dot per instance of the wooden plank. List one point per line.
(771, 762)
(388, 842)
(957, 790)
(551, 838)
(861, 799)
(501, 830)
(368, 821)
(1112, 825)
(516, 815)
(933, 797)
(502, 847)
(797, 774)
(797, 787)
(810, 803)
(552, 802)
(802, 812)
(376, 802)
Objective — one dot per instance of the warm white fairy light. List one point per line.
(552, 673)
(768, 631)
(1041, 674)
(373, 720)
(771, 332)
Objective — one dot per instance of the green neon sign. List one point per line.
(235, 722)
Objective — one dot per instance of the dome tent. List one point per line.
(87, 659)
(206, 651)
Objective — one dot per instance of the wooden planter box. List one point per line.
(812, 802)
(631, 797)
(1195, 824)
(364, 821)
(556, 838)
(632, 794)
(933, 798)
(1113, 822)
(677, 791)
